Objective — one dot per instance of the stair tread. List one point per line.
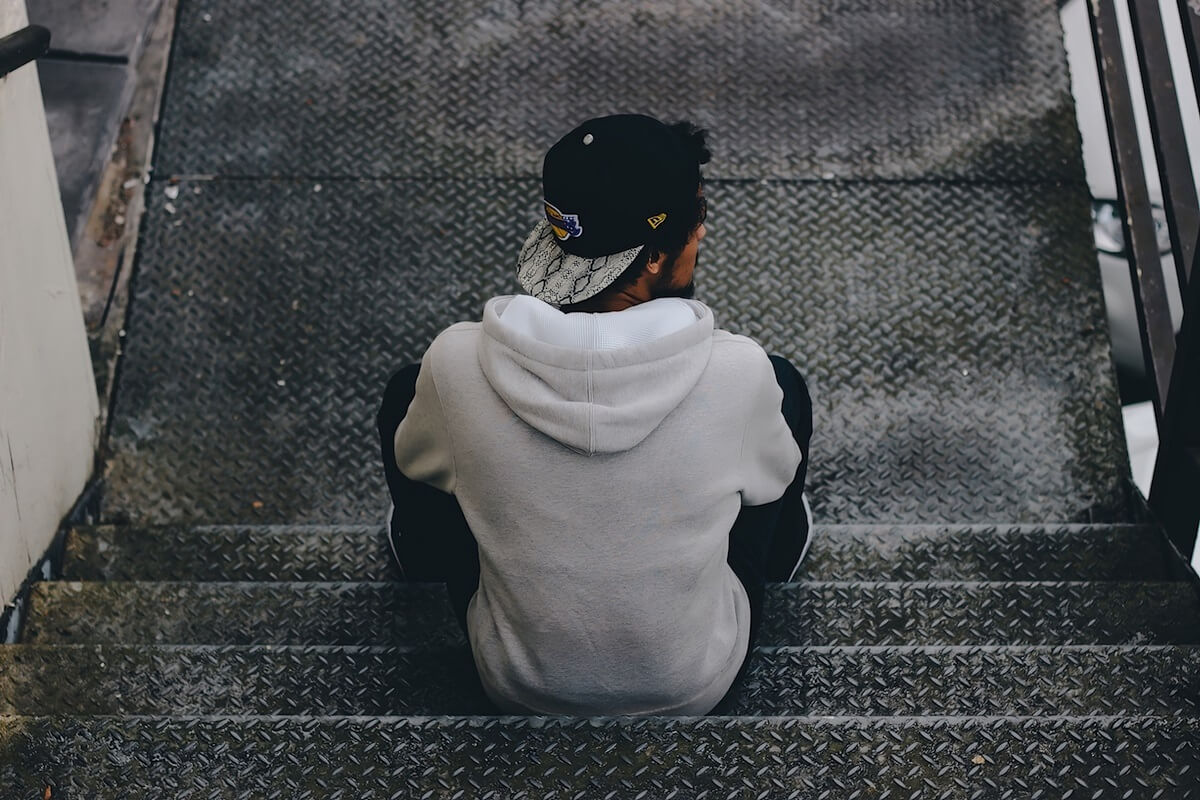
(563, 757)
(793, 681)
(1001, 80)
(839, 552)
(917, 311)
(812, 612)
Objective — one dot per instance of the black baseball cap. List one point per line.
(607, 186)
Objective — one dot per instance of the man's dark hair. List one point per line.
(673, 235)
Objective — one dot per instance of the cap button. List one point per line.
(588, 138)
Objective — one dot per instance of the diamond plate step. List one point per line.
(917, 311)
(380, 89)
(839, 552)
(229, 553)
(809, 613)
(819, 681)
(987, 553)
(241, 613)
(559, 758)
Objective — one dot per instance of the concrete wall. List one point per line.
(48, 407)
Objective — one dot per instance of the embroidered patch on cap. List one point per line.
(563, 225)
(656, 220)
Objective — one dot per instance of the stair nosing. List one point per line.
(436, 585)
(168, 647)
(597, 721)
(344, 527)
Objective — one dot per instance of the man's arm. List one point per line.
(423, 446)
(770, 455)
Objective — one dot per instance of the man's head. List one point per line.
(624, 209)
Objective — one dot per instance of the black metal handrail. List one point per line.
(1167, 136)
(18, 49)
(1175, 490)
(1172, 364)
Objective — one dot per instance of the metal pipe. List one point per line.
(18, 49)
(1173, 491)
(1166, 127)
(1154, 313)
(1189, 18)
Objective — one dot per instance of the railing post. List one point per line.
(1189, 19)
(1166, 132)
(1149, 289)
(1175, 489)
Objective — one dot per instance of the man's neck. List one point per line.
(618, 299)
(609, 301)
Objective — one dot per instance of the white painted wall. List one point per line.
(48, 407)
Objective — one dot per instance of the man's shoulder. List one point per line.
(459, 328)
(738, 361)
(460, 334)
(450, 349)
(737, 347)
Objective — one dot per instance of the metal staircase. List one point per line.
(896, 203)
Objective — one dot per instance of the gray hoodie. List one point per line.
(601, 485)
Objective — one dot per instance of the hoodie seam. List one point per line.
(741, 469)
(591, 393)
(742, 452)
(446, 428)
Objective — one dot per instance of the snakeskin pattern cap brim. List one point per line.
(553, 275)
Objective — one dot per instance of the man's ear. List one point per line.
(655, 265)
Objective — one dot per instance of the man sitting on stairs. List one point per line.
(604, 480)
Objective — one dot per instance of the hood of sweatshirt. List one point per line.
(569, 382)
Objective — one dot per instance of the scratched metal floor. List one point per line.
(897, 203)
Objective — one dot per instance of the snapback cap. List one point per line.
(607, 186)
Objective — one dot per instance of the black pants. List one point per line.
(437, 545)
